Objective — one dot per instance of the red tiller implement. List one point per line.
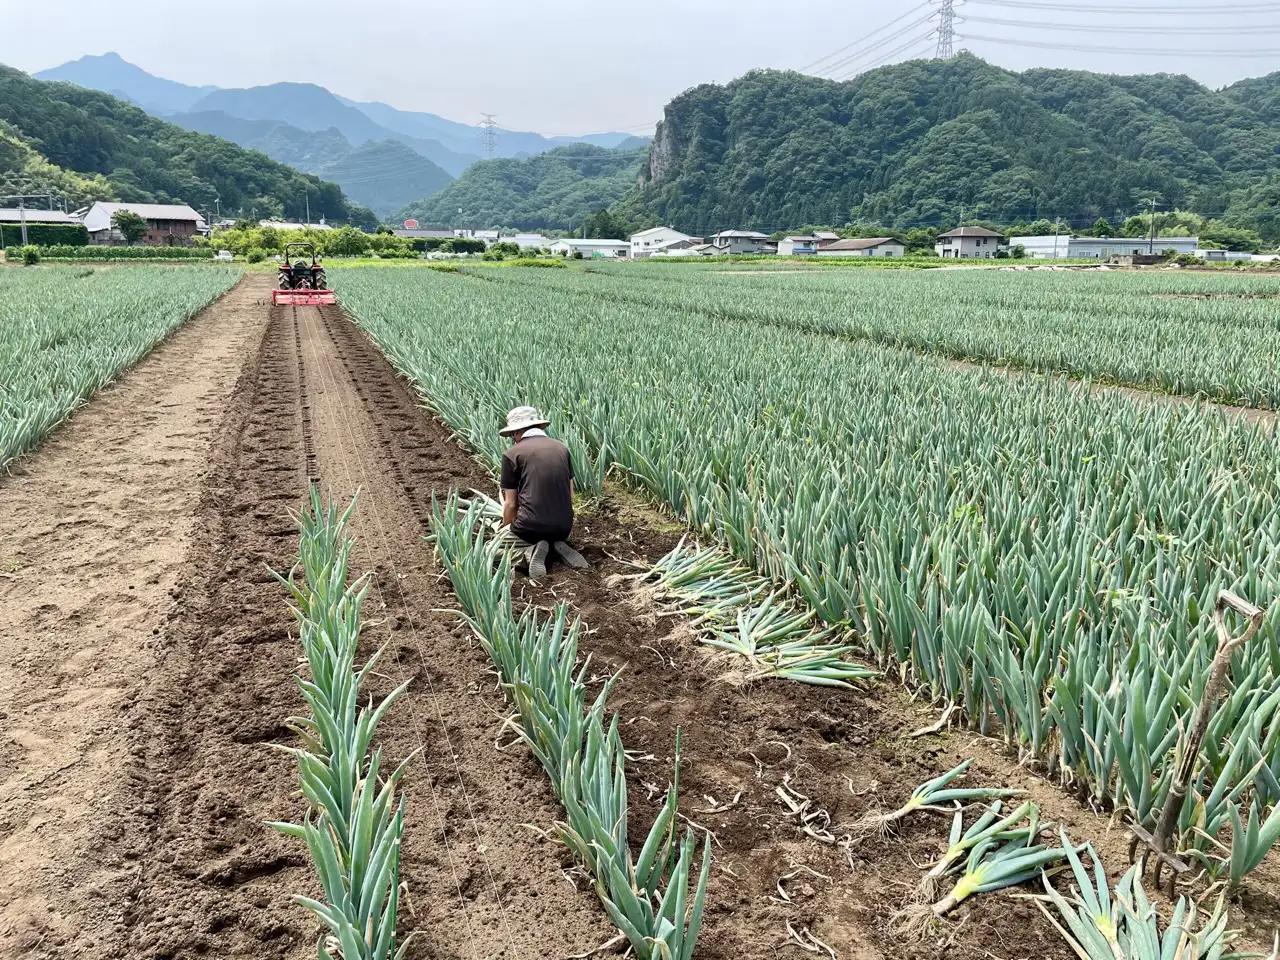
(303, 298)
(301, 284)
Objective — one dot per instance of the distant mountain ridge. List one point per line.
(296, 123)
(925, 142)
(117, 150)
(556, 190)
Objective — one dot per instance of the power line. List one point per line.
(1131, 9)
(914, 43)
(1103, 28)
(946, 31)
(862, 40)
(873, 49)
(1136, 51)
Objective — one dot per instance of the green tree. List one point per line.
(131, 226)
(1219, 235)
(349, 242)
(1102, 228)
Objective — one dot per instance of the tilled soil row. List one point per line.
(214, 881)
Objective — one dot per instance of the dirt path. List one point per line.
(93, 531)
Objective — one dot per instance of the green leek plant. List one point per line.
(1044, 557)
(354, 825)
(1100, 925)
(933, 795)
(1022, 824)
(648, 898)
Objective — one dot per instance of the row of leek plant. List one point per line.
(1209, 335)
(647, 896)
(1044, 557)
(354, 823)
(66, 332)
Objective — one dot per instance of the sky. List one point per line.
(585, 66)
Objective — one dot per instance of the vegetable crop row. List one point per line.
(66, 333)
(1210, 335)
(647, 897)
(1044, 557)
(354, 824)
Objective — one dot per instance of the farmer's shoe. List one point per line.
(538, 560)
(569, 555)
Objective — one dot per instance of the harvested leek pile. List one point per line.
(734, 610)
(1044, 558)
(353, 825)
(66, 332)
(647, 897)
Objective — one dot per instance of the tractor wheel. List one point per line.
(284, 282)
(320, 281)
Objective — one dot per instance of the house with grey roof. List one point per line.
(742, 241)
(970, 243)
(168, 224)
(863, 247)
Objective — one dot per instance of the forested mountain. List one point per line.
(556, 190)
(147, 160)
(447, 143)
(21, 166)
(926, 142)
(381, 174)
(385, 175)
(112, 74)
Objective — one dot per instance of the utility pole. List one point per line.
(1056, 222)
(489, 126)
(308, 208)
(1151, 240)
(22, 218)
(946, 31)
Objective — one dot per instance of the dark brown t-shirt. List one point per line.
(538, 469)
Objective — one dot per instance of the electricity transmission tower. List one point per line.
(489, 133)
(946, 31)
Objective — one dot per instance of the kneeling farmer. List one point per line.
(537, 492)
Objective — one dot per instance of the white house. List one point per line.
(797, 246)
(864, 247)
(970, 243)
(647, 242)
(168, 224)
(295, 224)
(529, 241)
(741, 241)
(1224, 256)
(1103, 248)
(592, 249)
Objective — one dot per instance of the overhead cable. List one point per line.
(862, 40)
(1232, 29)
(1132, 51)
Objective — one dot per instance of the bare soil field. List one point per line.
(146, 657)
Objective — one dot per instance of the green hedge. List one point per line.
(127, 253)
(45, 235)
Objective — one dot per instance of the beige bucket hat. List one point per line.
(523, 418)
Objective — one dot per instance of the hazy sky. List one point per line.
(579, 66)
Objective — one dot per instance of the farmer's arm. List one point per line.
(508, 483)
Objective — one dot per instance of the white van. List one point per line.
(223, 255)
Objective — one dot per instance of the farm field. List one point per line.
(65, 332)
(1039, 556)
(1190, 334)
